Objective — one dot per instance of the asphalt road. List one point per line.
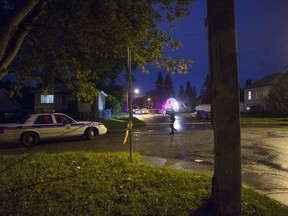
(264, 149)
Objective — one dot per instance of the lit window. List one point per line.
(249, 95)
(47, 99)
(248, 108)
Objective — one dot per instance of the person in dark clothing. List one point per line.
(172, 120)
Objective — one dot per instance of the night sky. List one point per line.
(262, 34)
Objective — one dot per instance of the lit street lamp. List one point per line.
(136, 91)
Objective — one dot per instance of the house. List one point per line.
(256, 93)
(62, 101)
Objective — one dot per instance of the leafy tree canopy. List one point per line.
(67, 38)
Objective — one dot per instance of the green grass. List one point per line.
(107, 184)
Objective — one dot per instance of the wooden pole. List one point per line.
(225, 107)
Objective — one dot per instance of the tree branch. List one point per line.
(16, 29)
(12, 22)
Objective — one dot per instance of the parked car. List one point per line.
(35, 127)
(200, 114)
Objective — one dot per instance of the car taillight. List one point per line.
(2, 130)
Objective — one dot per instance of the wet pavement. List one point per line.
(264, 152)
(264, 155)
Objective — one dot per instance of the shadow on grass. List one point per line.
(207, 209)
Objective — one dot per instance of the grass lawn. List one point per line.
(108, 184)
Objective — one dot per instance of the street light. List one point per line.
(136, 91)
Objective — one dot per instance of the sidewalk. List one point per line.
(198, 166)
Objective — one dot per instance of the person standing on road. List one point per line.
(172, 120)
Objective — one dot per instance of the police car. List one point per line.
(35, 127)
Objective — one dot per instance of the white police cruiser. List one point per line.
(35, 127)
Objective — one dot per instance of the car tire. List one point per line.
(90, 133)
(29, 139)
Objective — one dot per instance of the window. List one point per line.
(249, 95)
(47, 99)
(44, 119)
(63, 119)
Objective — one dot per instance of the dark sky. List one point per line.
(262, 34)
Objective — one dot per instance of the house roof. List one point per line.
(266, 81)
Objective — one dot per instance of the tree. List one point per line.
(226, 184)
(58, 44)
(16, 20)
(191, 94)
(205, 92)
(168, 87)
(159, 91)
(277, 99)
(114, 101)
(181, 94)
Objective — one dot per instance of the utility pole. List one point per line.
(225, 107)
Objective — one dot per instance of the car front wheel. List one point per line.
(90, 133)
(29, 139)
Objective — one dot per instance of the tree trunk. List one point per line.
(225, 107)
